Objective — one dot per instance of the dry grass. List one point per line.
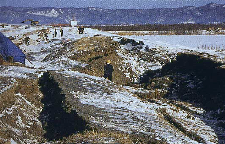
(30, 89)
(7, 98)
(23, 109)
(12, 64)
(27, 87)
(99, 137)
(93, 43)
(95, 51)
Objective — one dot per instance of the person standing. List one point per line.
(55, 33)
(46, 36)
(27, 40)
(108, 70)
(81, 29)
(61, 31)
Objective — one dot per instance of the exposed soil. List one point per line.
(20, 107)
(50, 109)
(193, 79)
(95, 51)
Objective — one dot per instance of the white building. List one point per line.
(73, 23)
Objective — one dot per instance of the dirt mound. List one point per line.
(124, 41)
(95, 51)
(19, 110)
(112, 108)
(26, 116)
(193, 79)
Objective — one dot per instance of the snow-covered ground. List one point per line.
(39, 47)
(122, 104)
(213, 45)
(201, 43)
(130, 114)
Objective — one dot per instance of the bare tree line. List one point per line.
(165, 29)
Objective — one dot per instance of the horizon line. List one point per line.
(111, 8)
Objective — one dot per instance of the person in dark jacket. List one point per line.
(27, 40)
(61, 31)
(55, 33)
(81, 29)
(108, 69)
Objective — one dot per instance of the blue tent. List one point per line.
(8, 48)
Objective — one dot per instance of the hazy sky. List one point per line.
(118, 4)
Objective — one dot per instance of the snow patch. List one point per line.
(129, 113)
(12, 141)
(211, 44)
(27, 102)
(52, 13)
(18, 72)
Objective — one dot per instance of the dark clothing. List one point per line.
(46, 36)
(108, 69)
(27, 40)
(55, 33)
(61, 30)
(81, 30)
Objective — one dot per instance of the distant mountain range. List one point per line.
(210, 13)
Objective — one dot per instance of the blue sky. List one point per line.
(112, 4)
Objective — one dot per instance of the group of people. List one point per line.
(80, 30)
(61, 33)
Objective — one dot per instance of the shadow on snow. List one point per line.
(194, 79)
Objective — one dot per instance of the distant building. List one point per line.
(73, 23)
(32, 22)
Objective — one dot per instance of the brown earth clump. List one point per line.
(99, 137)
(7, 98)
(19, 109)
(12, 64)
(95, 51)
